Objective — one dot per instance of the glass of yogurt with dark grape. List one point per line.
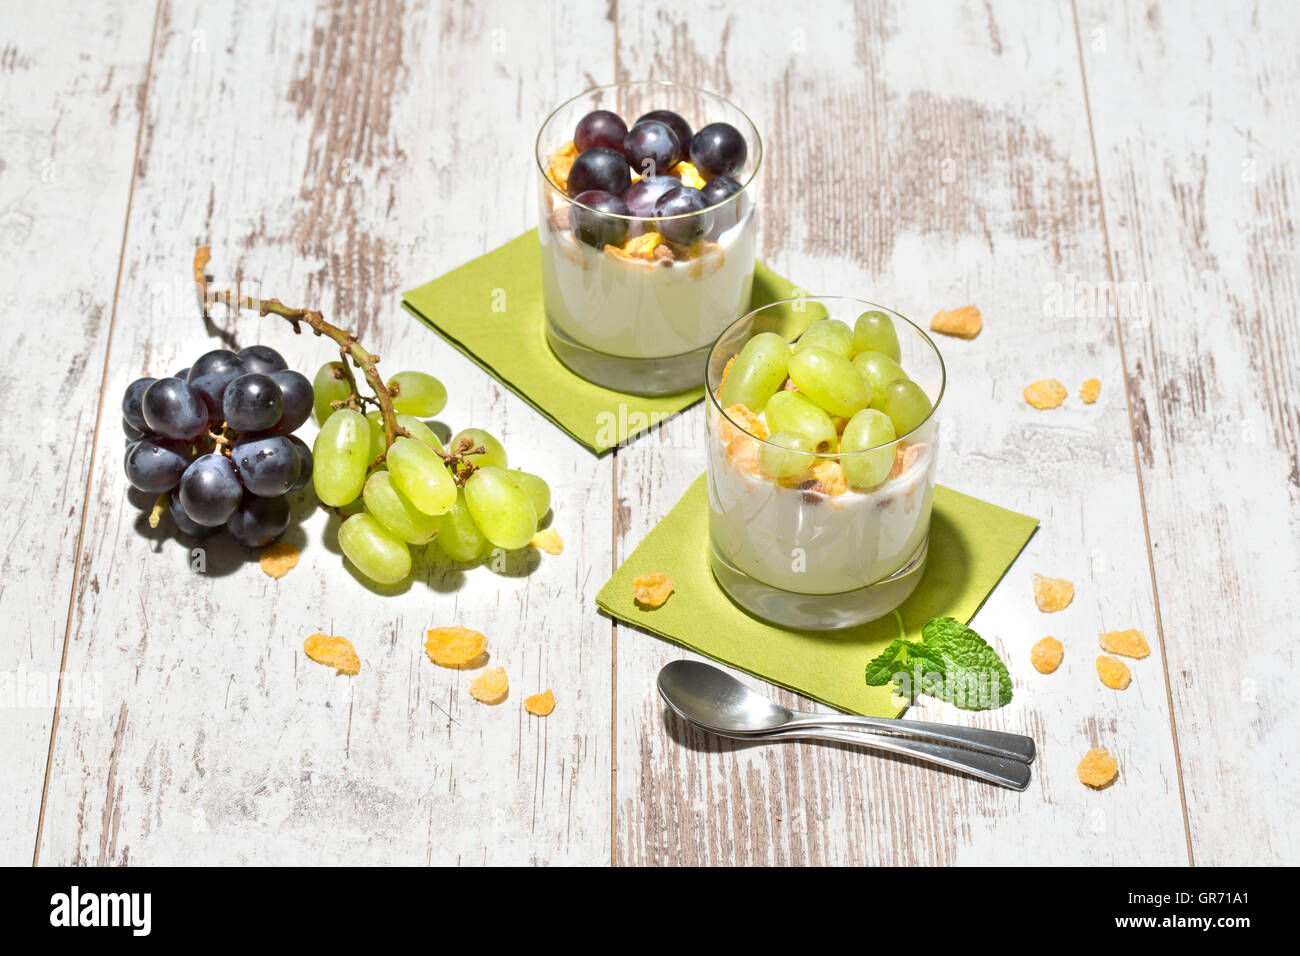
(647, 231)
(823, 434)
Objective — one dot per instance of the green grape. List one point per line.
(879, 370)
(788, 460)
(418, 394)
(458, 535)
(375, 551)
(757, 372)
(494, 455)
(501, 509)
(395, 512)
(874, 332)
(906, 404)
(419, 430)
(378, 441)
(829, 380)
(328, 387)
(341, 453)
(868, 429)
(538, 491)
(830, 334)
(791, 412)
(421, 475)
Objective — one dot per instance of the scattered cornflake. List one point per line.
(540, 705)
(638, 247)
(1090, 390)
(726, 370)
(1130, 643)
(336, 652)
(1047, 393)
(1052, 594)
(965, 323)
(828, 478)
(278, 558)
(747, 420)
(491, 686)
(560, 162)
(1098, 768)
(454, 646)
(651, 590)
(1114, 673)
(1046, 655)
(688, 174)
(548, 540)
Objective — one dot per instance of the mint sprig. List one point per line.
(950, 662)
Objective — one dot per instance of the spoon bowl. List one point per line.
(712, 698)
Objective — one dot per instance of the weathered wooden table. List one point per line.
(1113, 184)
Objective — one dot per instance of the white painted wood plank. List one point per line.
(337, 157)
(925, 156)
(1200, 186)
(70, 94)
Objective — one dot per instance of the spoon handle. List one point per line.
(1000, 770)
(1012, 746)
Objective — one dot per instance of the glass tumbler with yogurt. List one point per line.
(821, 483)
(648, 236)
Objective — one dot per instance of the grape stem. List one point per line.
(457, 459)
(349, 347)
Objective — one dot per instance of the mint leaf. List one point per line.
(950, 662)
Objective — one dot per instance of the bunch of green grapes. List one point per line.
(415, 490)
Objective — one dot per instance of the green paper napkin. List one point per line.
(491, 309)
(972, 543)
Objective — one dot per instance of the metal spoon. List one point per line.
(717, 702)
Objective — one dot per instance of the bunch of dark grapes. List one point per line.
(217, 440)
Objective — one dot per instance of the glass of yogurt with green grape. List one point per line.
(822, 432)
(647, 230)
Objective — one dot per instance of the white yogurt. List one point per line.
(638, 309)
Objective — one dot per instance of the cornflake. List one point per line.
(278, 558)
(1046, 655)
(540, 705)
(1052, 594)
(1097, 769)
(726, 370)
(454, 646)
(652, 590)
(965, 323)
(688, 174)
(491, 686)
(1090, 390)
(747, 420)
(1130, 643)
(336, 652)
(828, 478)
(1113, 672)
(548, 540)
(559, 164)
(639, 247)
(1047, 393)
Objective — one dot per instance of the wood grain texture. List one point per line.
(1201, 191)
(323, 154)
(925, 181)
(68, 127)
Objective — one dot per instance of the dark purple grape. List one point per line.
(681, 129)
(184, 523)
(652, 148)
(304, 456)
(210, 375)
(688, 203)
(258, 521)
(131, 432)
(267, 465)
(210, 490)
(595, 229)
(600, 168)
(719, 150)
(183, 375)
(298, 397)
(600, 128)
(131, 399)
(155, 465)
(262, 358)
(173, 409)
(720, 189)
(642, 194)
(252, 403)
